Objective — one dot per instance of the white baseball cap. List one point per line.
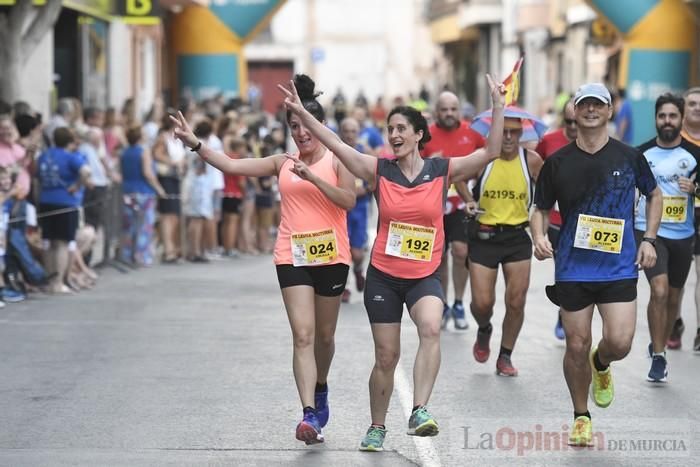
(597, 90)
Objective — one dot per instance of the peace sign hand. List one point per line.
(183, 132)
(291, 98)
(497, 91)
(300, 169)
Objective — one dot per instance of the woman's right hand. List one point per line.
(183, 132)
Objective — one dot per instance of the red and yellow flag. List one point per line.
(512, 83)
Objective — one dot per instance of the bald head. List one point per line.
(447, 111)
(691, 118)
(350, 131)
(568, 121)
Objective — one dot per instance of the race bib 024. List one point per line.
(312, 248)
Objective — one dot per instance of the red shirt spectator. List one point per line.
(552, 142)
(461, 141)
(233, 184)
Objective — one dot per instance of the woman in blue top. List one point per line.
(140, 187)
(62, 173)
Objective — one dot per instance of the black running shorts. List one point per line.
(673, 257)
(503, 247)
(575, 296)
(385, 295)
(327, 281)
(455, 227)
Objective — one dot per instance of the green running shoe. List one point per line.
(581, 432)
(421, 423)
(602, 389)
(374, 439)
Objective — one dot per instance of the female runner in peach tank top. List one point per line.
(297, 219)
(312, 252)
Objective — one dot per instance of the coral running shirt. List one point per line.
(309, 220)
(410, 232)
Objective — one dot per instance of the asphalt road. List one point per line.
(191, 365)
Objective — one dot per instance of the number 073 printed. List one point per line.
(599, 233)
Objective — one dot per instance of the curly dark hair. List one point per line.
(416, 119)
(669, 98)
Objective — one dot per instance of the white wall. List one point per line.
(380, 46)
(37, 77)
(119, 59)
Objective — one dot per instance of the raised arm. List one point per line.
(464, 168)
(361, 165)
(267, 166)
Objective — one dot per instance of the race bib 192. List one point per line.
(410, 241)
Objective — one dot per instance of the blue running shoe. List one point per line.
(458, 315)
(445, 316)
(309, 430)
(421, 423)
(374, 439)
(322, 410)
(559, 330)
(12, 296)
(659, 370)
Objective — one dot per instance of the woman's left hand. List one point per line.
(291, 98)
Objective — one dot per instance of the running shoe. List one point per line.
(446, 310)
(374, 439)
(232, 254)
(481, 349)
(198, 259)
(559, 330)
(674, 341)
(421, 423)
(696, 344)
(359, 281)
(602, 387)
(11, 295)
(504, 367)
(309, 430)
(458, 315)
(322, 410)
(582, 432)
(658, 373)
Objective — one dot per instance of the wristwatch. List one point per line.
(651, 240)
(197, 148)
